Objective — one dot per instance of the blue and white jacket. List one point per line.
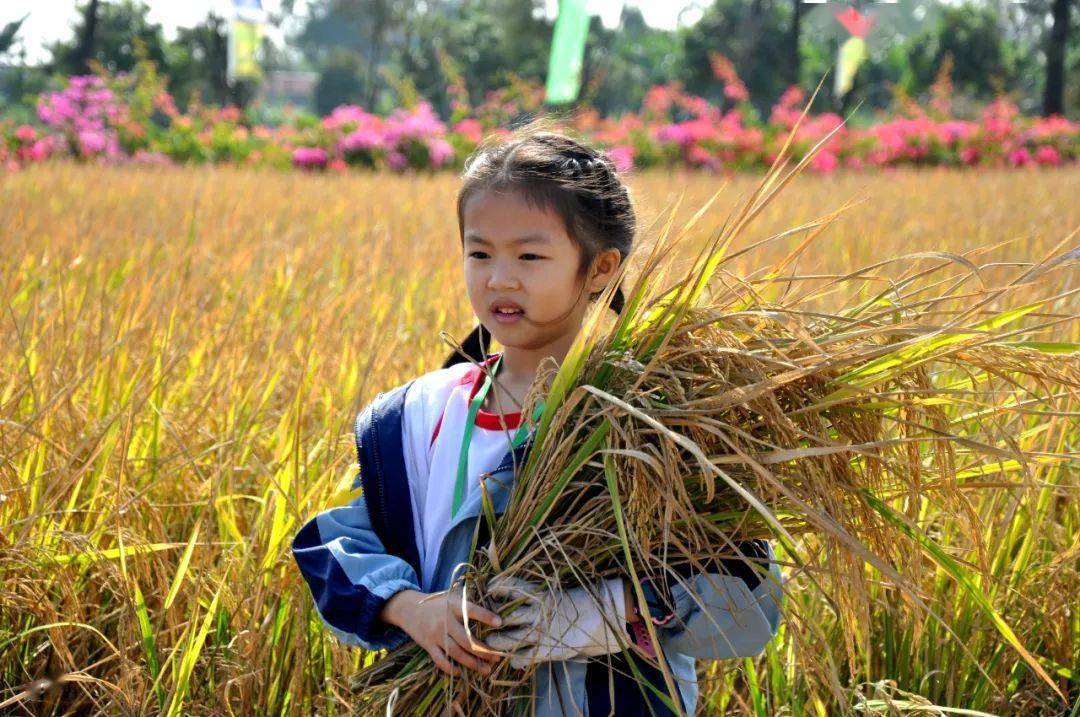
(355, 557)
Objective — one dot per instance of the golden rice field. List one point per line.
(182, 354)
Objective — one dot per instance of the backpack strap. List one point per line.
(385, 482)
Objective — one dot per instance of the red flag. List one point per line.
(854, 21)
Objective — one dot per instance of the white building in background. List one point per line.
(297, 87)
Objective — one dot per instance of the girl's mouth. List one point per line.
(508, 316)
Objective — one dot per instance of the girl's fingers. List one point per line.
(479, 614)
(476, 647)
(439, 658)
(466, 658)
(476, 613)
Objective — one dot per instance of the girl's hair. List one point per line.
(551, 170)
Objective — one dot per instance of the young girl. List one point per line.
(545, 223)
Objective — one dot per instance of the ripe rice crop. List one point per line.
(184, 351)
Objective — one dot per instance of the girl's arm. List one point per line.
(349, 570)
(728, 612)
(351, 576)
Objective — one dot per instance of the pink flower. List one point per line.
(1047, 155)
(622, 156)
(361, 140)
(229, 113)
(736, 92)
(91, 143)
(793, 95)
(676, 133)
(440, 152)
(309, 157)
(955, 130)
(40, 149)
(750, 140)
(418, 123)
(1054, 125)
(164, 102)
(337, 164)
(397, 161)
(1020, 157)
(470, 129)
(879, 157)
(25, 134)
(699, 156)
(658, 100)
(345, 115)
(824, 161)
(969, 155)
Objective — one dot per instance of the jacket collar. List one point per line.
(385, 482)
(382, 474)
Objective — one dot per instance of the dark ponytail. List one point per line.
(553, 170)
(618, 301)
(477, 345)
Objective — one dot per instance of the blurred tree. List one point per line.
(198, 63)
(1057, 41)
(370, 30)
(626, 61)
(84, 48)
(754, 35)
(794, 56)
(106, 32)
(490, 41)
(18, 83)
(973, 35)
(9, 33)
(339, 82)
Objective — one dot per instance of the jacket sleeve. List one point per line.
(351, 576)
(730, 612)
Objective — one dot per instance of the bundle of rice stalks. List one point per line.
(719, 409)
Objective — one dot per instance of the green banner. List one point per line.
(567, 52)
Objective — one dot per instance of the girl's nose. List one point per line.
(502, 278)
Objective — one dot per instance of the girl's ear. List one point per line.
(604, 266)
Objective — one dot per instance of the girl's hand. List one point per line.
(436, 623)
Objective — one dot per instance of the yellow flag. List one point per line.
(244, 40)
(852, 54)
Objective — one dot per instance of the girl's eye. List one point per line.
(478, 255)
(534, 256)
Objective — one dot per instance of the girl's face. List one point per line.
(520, 257)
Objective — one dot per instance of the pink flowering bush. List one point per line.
(132, 117)
(350, 136)
(86, 114)
(310, 157)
